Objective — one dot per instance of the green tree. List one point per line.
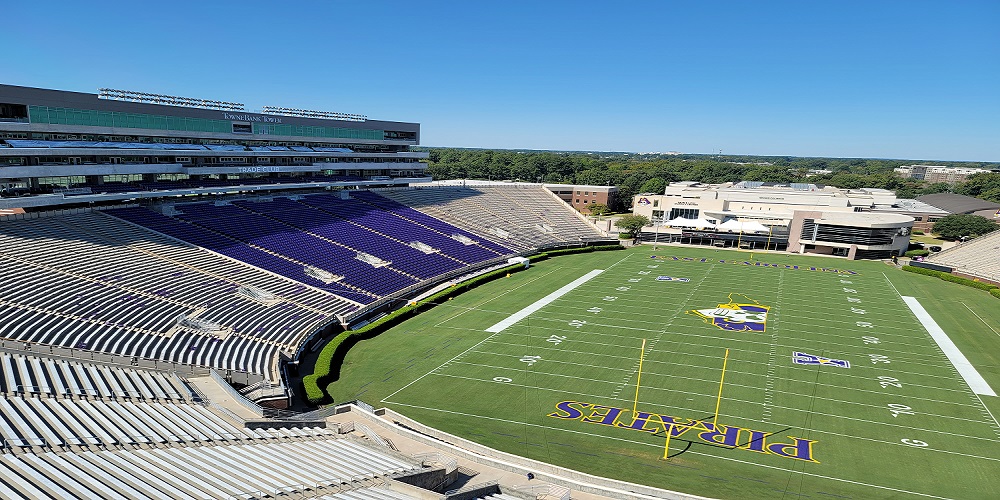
(631, 224)
(598, 209)
(956, 226)
(655, 185)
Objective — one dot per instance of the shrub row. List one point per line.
(954, 279)
(327, 368)
(917, 253)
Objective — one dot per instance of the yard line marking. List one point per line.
(851, 347)
(860, 367)
(980, 318)
(439, 367)
(542, 302)
(712, 381)
(968, 372)
(659, 335)
(844, 351)
(988, 412)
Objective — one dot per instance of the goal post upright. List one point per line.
(638, 379)
(718, 400)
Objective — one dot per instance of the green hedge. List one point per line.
(995, 292)
(917, 232)
(917, 253)
(952, 278)
(327, 368)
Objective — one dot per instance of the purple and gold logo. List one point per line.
(744, 316)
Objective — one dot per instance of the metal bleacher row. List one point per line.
(240, 471)
(519, 217)
(62, 378)
(979, 257)
(133, 435)
(89, 281)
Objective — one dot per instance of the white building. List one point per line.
(802, 218)
(937, 173)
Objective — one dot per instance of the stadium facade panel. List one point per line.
(78, 145)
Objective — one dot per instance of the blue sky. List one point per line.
(887, 79)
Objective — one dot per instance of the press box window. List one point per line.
(242, 128)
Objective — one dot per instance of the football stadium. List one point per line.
(200, 301)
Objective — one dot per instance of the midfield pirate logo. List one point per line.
(747, 315)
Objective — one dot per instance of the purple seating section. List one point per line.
(326, 232)
(425, 220)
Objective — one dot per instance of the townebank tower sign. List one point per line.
(245, 117)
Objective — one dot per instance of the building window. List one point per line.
(687, 213)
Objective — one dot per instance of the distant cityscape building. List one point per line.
(798, 217)
(818, 171)
(937, 173)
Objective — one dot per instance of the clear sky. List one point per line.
(890, 79)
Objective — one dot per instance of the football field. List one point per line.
(833, 387)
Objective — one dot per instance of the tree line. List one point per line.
(650, 173)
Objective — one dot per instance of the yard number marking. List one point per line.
(502, 380)
(871, 340)
(530, 359)
(889, 381)
(576, 323)
(897, 409)
(556, 339)
(879, 358)
(594, 310)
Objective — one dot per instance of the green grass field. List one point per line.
(899, 422)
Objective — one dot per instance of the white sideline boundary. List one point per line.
(542, 302)
(968, 372)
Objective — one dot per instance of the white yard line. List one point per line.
(968, 372)
(542, 302)
(703, 395)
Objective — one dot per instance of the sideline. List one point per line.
(968, 372)
(542, 302)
